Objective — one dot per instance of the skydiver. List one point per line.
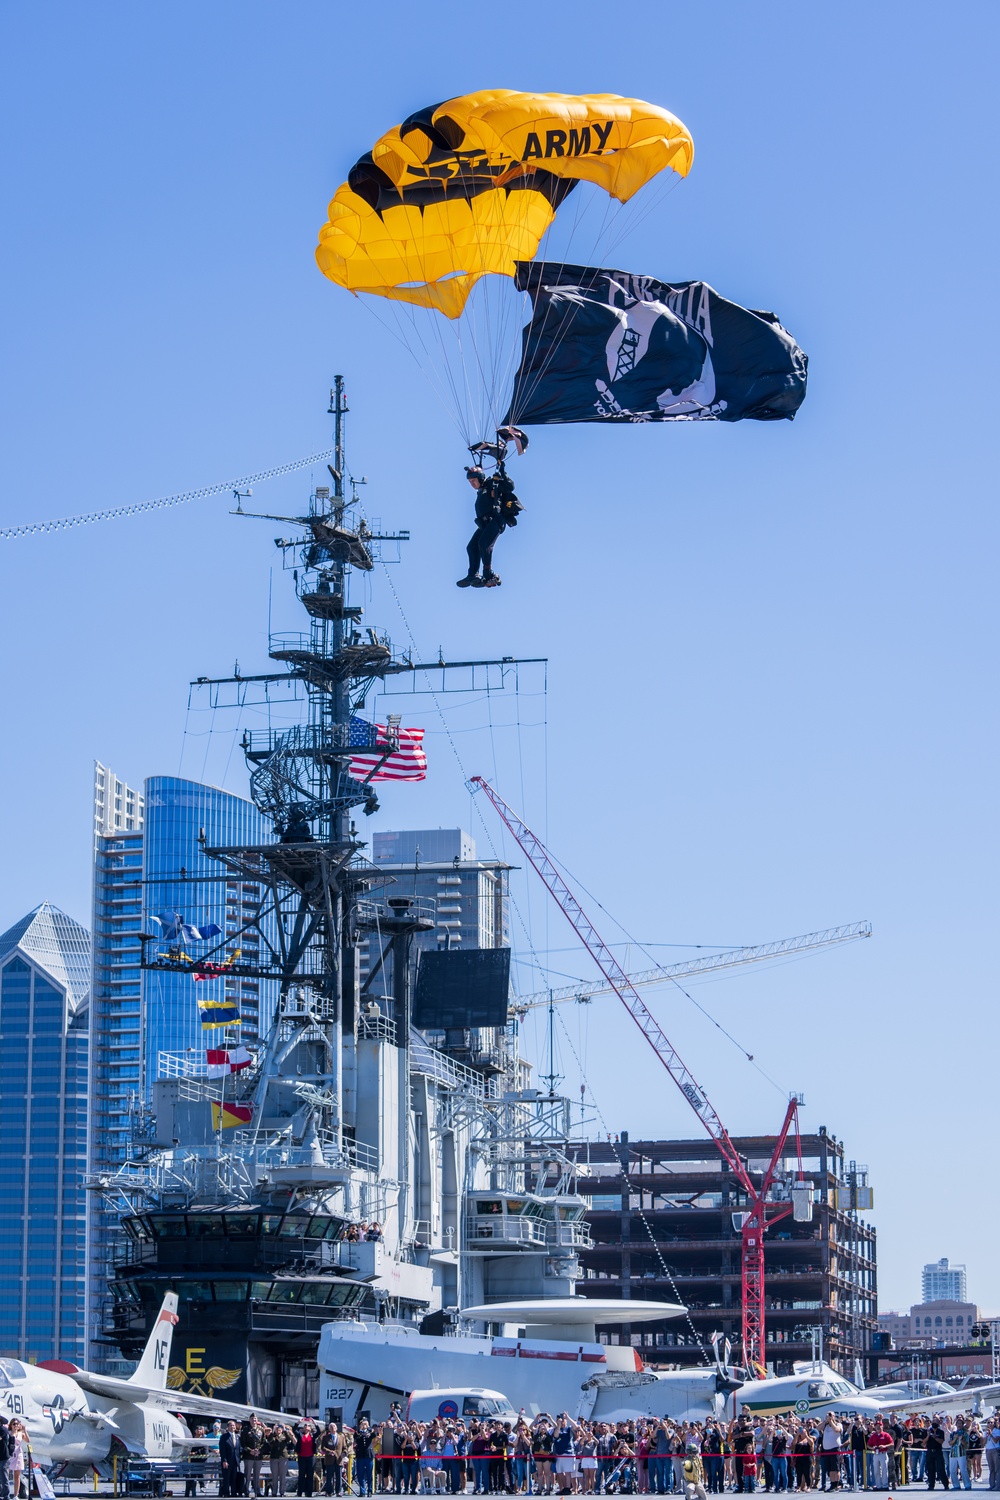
(497, 506)
(488, 528)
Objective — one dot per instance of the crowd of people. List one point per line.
(555, 1455)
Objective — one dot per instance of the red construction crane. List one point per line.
(761, 1212)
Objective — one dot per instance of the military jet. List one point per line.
(79, 1418)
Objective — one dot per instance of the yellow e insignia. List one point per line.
(192, 1362)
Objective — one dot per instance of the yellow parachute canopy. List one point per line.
(468, 187)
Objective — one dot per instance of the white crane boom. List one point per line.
(733, 958)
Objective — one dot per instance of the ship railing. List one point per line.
(484, 1229)
(288, 1317)
(288, 641)
(362, 1155)
(420, 1232)
(348, 1153)
(377, 1028)
(431, 1063)
(574, 1236)
(181, 1065)
(310, 740)
(371, 913)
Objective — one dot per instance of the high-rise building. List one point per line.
(117, 808)
(178, 876)
(44, 989)
(422, 846)
(670, 1231)
(468, 896)
(944, 1282)
(115, 1025)
(148, 860)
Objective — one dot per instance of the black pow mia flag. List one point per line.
(610, 346)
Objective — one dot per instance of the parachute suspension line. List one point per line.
(523, 394)
(65, 522)
(582, 203)
(613, 229)
(606, 240)
(625, 1174)
(658, 191)
(433, 365)
(466, 408)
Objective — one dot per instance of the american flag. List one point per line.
(408, 763)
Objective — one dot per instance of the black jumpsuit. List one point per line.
(488, 528)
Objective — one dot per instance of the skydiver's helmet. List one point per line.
(475, 475)
(692, 1446)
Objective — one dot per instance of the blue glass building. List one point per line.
(179, 877)
(44, 989)
(148, 860)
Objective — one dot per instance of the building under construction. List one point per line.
(666, 1220)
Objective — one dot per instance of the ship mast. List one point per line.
(314, 878)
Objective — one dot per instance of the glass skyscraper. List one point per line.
(44, 989)
(148, 861)
(179, 877)
(942, 1281)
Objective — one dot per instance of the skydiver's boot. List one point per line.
(468, 581)
(491, 581)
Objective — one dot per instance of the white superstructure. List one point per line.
(547, 1358)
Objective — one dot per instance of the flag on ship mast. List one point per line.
(222, 1061)
(229, 1116)
(218, 1013)
(405, 762)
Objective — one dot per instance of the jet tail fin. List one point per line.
(151, 1370)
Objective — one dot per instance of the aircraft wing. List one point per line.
(982, 1398)
(169, 1400)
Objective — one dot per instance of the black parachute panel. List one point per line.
(610, 346)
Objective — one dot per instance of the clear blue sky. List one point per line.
(772, 692)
